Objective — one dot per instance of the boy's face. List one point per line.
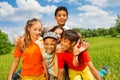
(50, 45)
(61, 17)
(66, 44)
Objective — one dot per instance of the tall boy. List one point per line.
(61, 16)
(85, 69)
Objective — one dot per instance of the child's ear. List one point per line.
(73, 43)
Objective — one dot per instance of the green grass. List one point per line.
(5, 65)
(106, 51)
(103, 51)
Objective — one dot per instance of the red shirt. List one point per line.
(67, 58)
(31, 60)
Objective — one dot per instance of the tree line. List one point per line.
(113, 31)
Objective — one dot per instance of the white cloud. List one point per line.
(13, 33)
(68, 1)
(104, 3)
(26, 9)
(73, 1)
(5, 9)
(95, 17)
(56, 1)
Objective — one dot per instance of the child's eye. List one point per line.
(65, 40)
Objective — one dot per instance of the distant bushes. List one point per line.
(5, 45)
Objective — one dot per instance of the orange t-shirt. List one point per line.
(31, 60)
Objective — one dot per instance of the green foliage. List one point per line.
(118, 24)
(113, 32)
(92, 32)
(5, 45)
(102, 31)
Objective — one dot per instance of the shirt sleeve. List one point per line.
(60, 60)
(86, 57)
(17, 52)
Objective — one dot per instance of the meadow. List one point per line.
(104, 51)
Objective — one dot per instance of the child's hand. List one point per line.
(75, 60)
(85, 44)
(16, 40)
(78, 48)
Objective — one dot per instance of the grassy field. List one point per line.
(106, 51)
(103, 51)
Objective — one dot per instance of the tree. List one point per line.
(113, 32)
(5, 45)
(118, 24)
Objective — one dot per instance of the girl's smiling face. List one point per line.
(35, 30)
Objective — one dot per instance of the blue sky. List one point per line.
(82, 13)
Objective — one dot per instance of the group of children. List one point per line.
(44, 57)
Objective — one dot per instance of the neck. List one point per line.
(70, 50)
(61, 25)
(33, 39)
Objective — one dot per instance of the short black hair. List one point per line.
(61, 8)
(71, 35)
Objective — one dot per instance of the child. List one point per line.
(103, 72)
(50, 43)
(61, 16)
(33, 65)
(85, 66)
(58, 30)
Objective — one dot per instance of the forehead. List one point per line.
(65, 38)
(49, 40)
(62, 12)
(58, 30)
(37, 24)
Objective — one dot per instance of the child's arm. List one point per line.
(18, 38)
(93, 70)
(60, 74)
(79, 48)
(13, 67)
(45, 69)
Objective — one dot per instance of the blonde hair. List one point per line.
(26, 38)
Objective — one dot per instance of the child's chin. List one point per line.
(49, 52)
